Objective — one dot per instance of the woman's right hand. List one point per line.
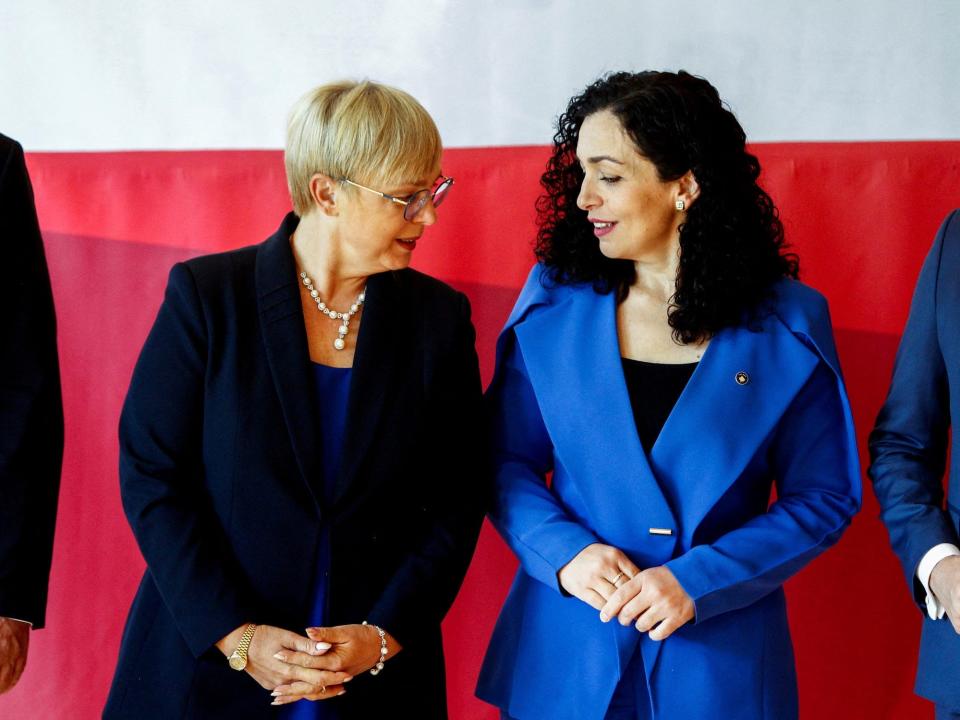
(595, 573)
(270, 672)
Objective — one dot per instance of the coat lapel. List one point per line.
(587, 411)
(742, 387)
(285, 340)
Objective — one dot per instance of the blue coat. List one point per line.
(908, 447)
(560, 404)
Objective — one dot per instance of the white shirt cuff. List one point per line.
(19, 620)
(935, 609)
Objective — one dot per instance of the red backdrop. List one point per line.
(861, 216)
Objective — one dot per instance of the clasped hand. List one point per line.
(273, 661)
(606, 579)
(315, 667)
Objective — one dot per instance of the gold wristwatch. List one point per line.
(238, 660)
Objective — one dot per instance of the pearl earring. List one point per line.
(681, 205)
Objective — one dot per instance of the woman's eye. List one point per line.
(609, 179)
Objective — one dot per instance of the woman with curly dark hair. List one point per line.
(668, 370)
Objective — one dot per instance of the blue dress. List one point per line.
(332, 390)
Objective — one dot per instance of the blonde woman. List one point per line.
(298, 447)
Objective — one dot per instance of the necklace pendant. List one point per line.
(343, 318)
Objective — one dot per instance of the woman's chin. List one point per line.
(610, 250)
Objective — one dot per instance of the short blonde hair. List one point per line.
(364, 131)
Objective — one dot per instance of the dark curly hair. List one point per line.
(732, 248)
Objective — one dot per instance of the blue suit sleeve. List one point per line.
(814, 458)
(529, 516)
(908, 443)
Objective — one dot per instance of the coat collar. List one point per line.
(714, 430)
(284, 337)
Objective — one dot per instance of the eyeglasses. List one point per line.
(415, 203)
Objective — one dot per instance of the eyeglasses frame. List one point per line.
(445, 184)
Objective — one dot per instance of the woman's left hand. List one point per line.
(650, 597)
(354, 649)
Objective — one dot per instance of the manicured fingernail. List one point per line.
(277, 702)
(323, 646)
(312, 631)
(604, 617)
(342, 692)
(347, 679)
(279, 656)
(275, 693)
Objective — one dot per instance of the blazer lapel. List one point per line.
(374, 368)
(285, 340)
(743, 385)
(586, 409)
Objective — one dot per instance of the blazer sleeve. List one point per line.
(31, 411)
(813, 455)
(527, 514)
(908, 445)
(161, 475)
(422, 590)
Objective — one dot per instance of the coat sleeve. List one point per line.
(31, 411)
(422, 590)
(526, 512)
(908, 445)
(161, 476)
(813, 455)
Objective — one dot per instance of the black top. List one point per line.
(654, 389)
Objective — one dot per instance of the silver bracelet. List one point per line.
(375, 670)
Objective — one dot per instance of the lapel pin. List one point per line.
(661, 531)
(742, 378)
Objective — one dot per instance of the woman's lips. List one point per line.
(602, 227)
(408, 243)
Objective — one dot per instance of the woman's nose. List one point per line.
(587, 198)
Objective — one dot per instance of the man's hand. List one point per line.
(945, 585)
(14, 641)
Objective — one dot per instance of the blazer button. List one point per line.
(742, 378)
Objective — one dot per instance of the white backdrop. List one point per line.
(122, 74)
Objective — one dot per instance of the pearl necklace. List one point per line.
(343, 317)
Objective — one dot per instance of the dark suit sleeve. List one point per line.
(908, 443)
(161, 475)
(31, 411)
(422, 590)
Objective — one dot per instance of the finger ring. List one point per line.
(614, 581)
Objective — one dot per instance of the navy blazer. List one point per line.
(220, 457)
(31, 411)
(560, 404)
(908, 449)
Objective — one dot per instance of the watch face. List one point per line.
(237, 662)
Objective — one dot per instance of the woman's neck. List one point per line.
(320, 253)
(656, 273)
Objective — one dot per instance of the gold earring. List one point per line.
(681, 205)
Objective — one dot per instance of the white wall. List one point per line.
(128, 74)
